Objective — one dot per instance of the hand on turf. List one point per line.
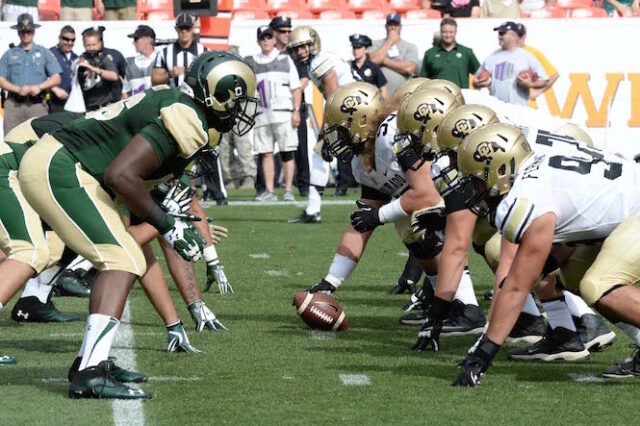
(215, 274)
(365, 218)
(178, 340)
(473, 368)
(178, 199)
(218, 233)
(185, 239)
(203, 317)
(429, 336)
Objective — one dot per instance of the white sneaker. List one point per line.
(288, 196)
(268, 197)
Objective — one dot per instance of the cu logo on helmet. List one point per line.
(463, 127)
(485, 151)
(424, 111)
(350, 103)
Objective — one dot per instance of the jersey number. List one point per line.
(583, 166)
(384, 127)
(113, 110)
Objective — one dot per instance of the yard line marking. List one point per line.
(355, 379)
(259, 256)
(279, 203)
(54, 380)
(174, 379)
(322, 335)
(277, 273)
(403, 253)
(126, 412)
(586, 378)
(78, 334)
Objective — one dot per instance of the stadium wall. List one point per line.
(599, 84)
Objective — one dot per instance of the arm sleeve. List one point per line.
(160, 140)
(4, 68)
(382, 80)
(322, 68)
(513, 217)
(52, 66)
(160, 62)
(412, 55)
(186, 128)
(474, 64)
(424, 72)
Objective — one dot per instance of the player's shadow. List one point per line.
(50, 379)
(43, 345)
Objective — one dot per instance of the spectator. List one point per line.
(279, 111)
(97, 73)
(173, 60)
(65, 56)
(506, 9)
(138, 74)
(362, 65)
(12, 9)
(79, 10)
(397, 58)
(449, 60)
(621, 7)
(27, 71)
(282, 28)
(547, 66)
(462, 9)
(505, 66)
(526, 6)
(120, 10)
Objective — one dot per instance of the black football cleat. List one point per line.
(72, 283)
(307, 218)
(414, 318)
(627, 368)
(528, 329)
(118, 373)
(31, 309)
(7, 360)
(464, 320)
(557, 344)
(594, 332)
(98, 382)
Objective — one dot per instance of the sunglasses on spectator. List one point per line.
(268, 37)
(67, 39)
(284, 31)
(502, 32)
(184, 28)
(26, 32)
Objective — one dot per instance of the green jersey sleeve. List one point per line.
(160, 140)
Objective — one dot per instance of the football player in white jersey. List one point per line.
(586, 199)
(327, 71)
(462, 229)
(362, 130)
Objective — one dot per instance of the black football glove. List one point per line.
(324, 151)
(473, 368)
(429, 219)
(365, 218)
(429, 336)
(322, 287)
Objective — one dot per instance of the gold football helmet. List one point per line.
(462, 121)
(408, 87)
(449, 86)
(304, 35)
(489, 160)
(576, 132)
(419, 116)
(351, 116)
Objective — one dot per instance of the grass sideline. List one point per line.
(267, 369)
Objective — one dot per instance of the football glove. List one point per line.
(203, 317)
(218, 233)
(178, 199)
(178, 340)
(429, 219)
(365, 218)
(473, 368)
(185, 239)
(215, 274)
(418, 300)
(403, 285)
(429, 336)
(322, 287)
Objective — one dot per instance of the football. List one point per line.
(320, 311)
(532, 75)
(483, 76)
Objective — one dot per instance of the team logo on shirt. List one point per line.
(485, 150)
(424, 111)
(462, 127)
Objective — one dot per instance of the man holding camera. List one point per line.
(27, 72)
(97, 73)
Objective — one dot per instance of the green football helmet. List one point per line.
(225, 86)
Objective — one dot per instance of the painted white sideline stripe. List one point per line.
(586, 378)
(125, 412)
(403, 253)
(259, 256)
(322, 335)
(277, 273)
(78, 334)
(152, 379)
(355, 379)
(302, 203)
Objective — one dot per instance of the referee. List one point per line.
(173, 60)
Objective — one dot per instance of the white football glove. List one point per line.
(177, 200)
(203, 317)
(185, 239)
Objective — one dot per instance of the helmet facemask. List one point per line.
(239, 110)
(445, 172)
(205, 162)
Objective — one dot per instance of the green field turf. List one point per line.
(268, 370)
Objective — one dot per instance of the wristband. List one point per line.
(160, 219)
(391, 212)
(210, 254)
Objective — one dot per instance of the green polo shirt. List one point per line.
(25, 3)
(119, 4)
(77, 3)
(455, 65)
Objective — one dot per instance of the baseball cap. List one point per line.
(98, 29)
(520, 30)
(506, 26)
(394, 17)
(184, 20)
(264, 30)
(280, 22)
(358, 40)
(25, 23)
(143, 31)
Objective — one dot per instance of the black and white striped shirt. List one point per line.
(173, 55)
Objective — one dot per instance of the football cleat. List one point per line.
(528, 328)
(414, 318)
(627, 368)
(322, 287)
(7, 360)
(204, 317)
(31, 309)
(464, 320)
(178, 340)
(118, 373)
(98, 382)
(307, 218)
(594, 332)
(72, 283)
(558, 344)
(403, 285)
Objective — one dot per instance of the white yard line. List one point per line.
(586, 378)
(126, 413)
(355, 379)
(281, 203)
(322, 335)
(78, 334)
(259, 256)
(277, 273)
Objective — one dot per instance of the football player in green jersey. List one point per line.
(71, 177)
